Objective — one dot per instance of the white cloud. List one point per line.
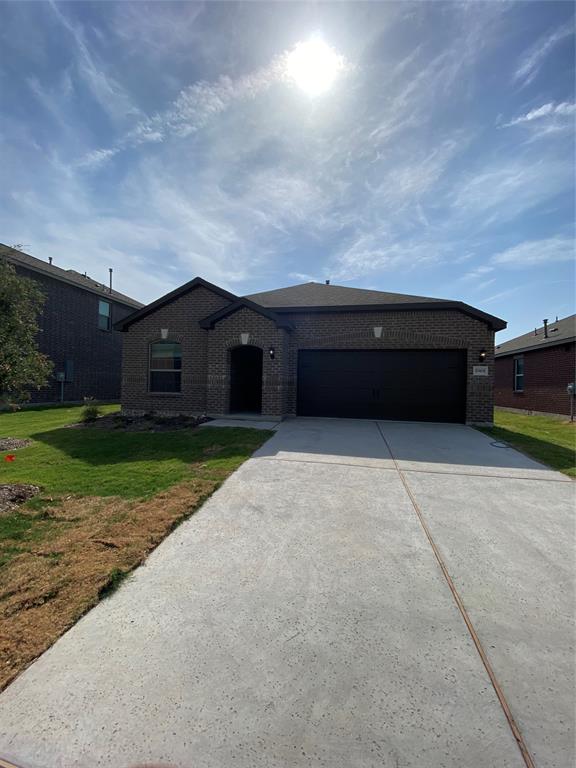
(521, 256)
(481, 286)
(503, 294)
(411, 101)
(374, 252)
(302, 277)
(198, 104)
(533, 59)
(509, 187)
(52, 99)
(107, 91)
(96, 158)
(415, 175)
(163, 29)
(461, 259)
(564, 109)
(474, 274)
(534, 252)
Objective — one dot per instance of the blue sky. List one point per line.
(167, 141)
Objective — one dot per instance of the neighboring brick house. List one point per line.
(312, 349)
(76, 330)
(533, 370)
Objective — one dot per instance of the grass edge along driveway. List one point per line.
(108, 499)
(551, 441)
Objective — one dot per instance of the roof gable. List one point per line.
(124, 324)
(211, 320)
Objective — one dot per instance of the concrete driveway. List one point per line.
(302, 618)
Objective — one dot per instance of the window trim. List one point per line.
(108, 316)
(163, 370)
(516, 375)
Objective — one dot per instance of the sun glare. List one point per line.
(313, 66)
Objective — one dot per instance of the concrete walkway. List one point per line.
(301, 618)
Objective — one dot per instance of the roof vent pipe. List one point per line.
(327, 282)
(545, 328)
(110, 271)
(49, 259)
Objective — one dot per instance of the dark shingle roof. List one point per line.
(559, 332)
(15, 256)
(312, 297)
(321, 295)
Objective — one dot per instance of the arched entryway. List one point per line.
(246, 379)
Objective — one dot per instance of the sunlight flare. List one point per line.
(313, 66)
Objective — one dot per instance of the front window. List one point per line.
(518, 374)
(165, 366)
(104, 315)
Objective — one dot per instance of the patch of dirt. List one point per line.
(45, 591)
(13, 443)
(150, 422)
(12, 494)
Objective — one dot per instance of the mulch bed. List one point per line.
(13, 443)
(13, 494)
(147, 423)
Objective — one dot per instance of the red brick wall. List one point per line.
(264, 334)
(547, 372)
(181, 318)
(431, 329)
(206, 353)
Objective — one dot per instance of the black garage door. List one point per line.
(408, 384)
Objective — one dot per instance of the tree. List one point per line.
(22, 366)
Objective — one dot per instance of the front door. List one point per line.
(246, 380)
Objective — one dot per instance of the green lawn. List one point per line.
(95, 462)
(551, 441)
(40, 419)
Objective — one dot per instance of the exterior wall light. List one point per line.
(244, 338)
(271, 352)
(164, 333)
(482, 355)
(378, 332)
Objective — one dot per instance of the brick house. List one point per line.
(76, 330)
(313, 350)
(533, 370)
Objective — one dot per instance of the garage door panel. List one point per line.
(418, 385)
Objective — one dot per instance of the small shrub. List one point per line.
(13, 403)
(91, 410)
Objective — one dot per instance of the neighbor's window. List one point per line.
(104, 315)
(165, 366)
(518, 374)
(68, 370)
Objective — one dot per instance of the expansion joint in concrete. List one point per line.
(462, 608)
